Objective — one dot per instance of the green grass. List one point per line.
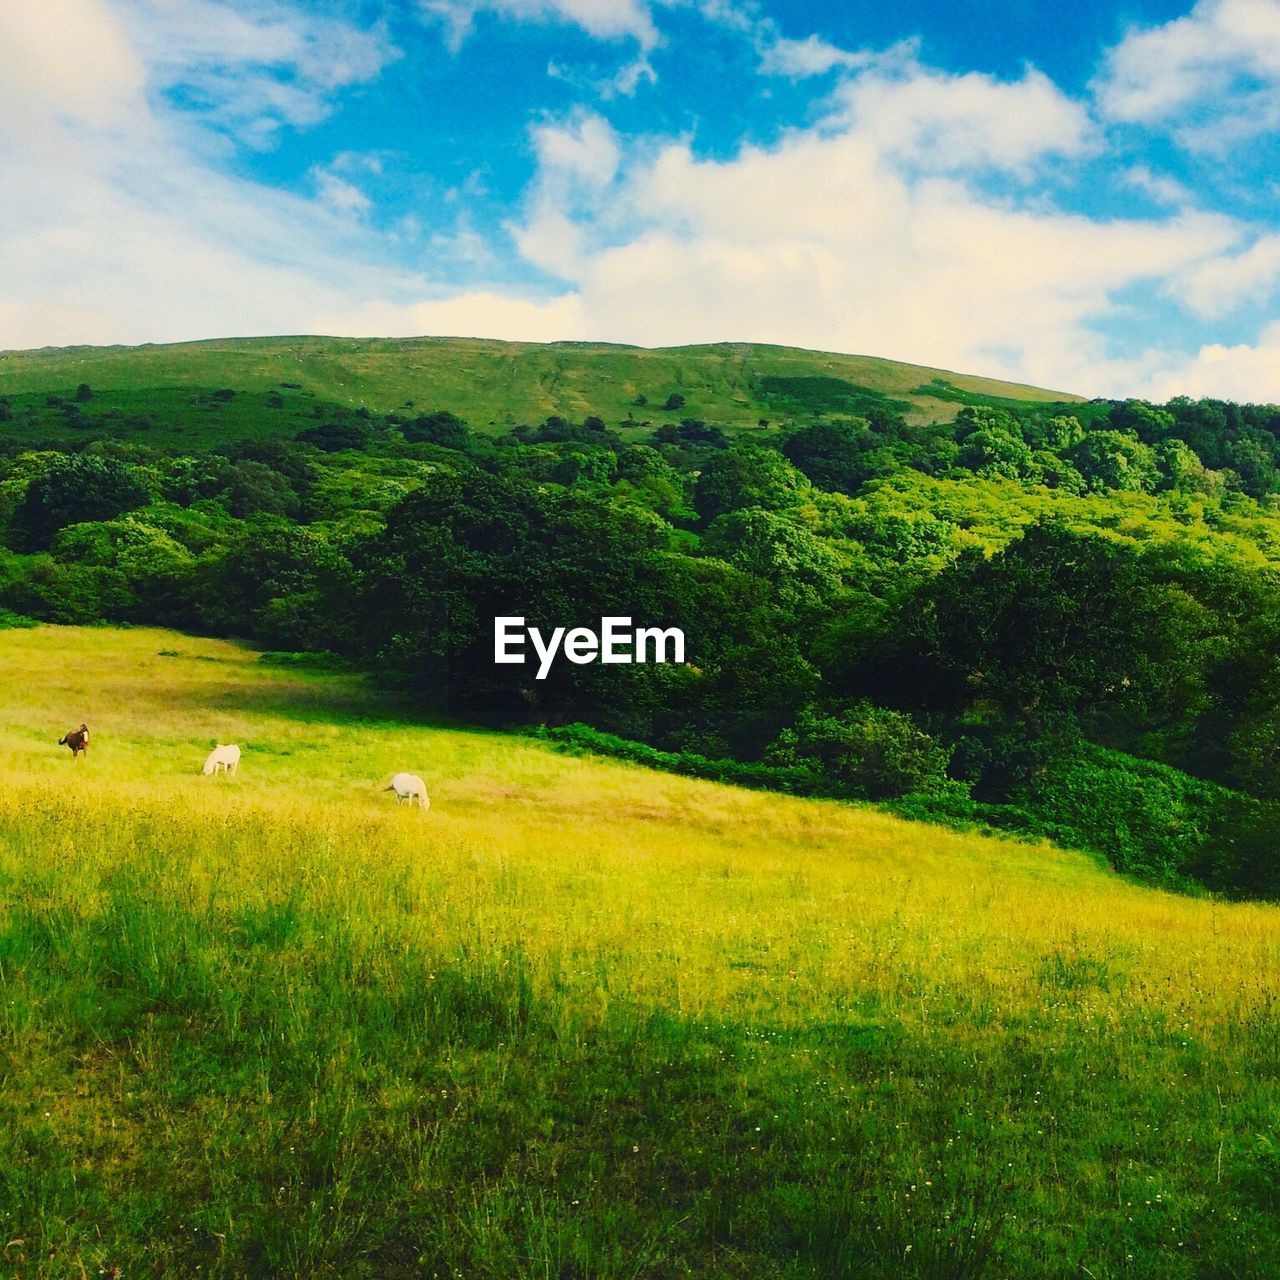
(579, 1019)
(492, 384)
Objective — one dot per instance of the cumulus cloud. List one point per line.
(1220, 61)
(1159, 187)
(1220, 285)
(67, 60)
(584, 150)
(603, 19)
(256, 66)
(963, 122)
(1248, 372)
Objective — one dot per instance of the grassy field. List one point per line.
(578, 1020)
(492, 384)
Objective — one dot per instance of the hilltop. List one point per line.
(579, 1019)
(495, 385)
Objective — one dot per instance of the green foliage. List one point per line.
(819, 394)
(801, 567)
(74, 488)
(991, 451)
(1052, 630)
(879, 754)
(337, 435)
(1116, 460)
(746, 477)
(1147, 819)
(441, 428)
(833, 454)
(796, 779)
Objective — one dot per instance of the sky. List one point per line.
(1084, 197)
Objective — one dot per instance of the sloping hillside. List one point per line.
(578, 1019)
(502, 383)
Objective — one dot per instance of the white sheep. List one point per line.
(410, 787)
(222, 759)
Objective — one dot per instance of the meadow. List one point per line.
(579, 1019)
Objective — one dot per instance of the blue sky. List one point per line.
(1080, 196)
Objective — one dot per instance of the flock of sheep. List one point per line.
(226, 759)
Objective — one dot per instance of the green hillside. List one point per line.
(498, 384)
(578, 1019)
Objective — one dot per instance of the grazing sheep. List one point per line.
(410, 787)
(77, 740)
(224, 759)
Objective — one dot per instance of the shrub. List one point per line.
(1147, 819)
(876, 752)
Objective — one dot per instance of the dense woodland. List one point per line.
(1055, 619)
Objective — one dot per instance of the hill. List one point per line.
(579, 1019)
(498, 384)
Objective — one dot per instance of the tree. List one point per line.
(1116, 460)
(75, 488)
(979, 417)
(336, 435)
(441, 427)
(1181, 470)
(84, 393)
(1252, 456)
(832, 454)
(801, 567)
(252, 488)
(746, 476)
(1062, 433)
(285, 586)
(1141, 419)
(674, 401)
(1057, 630)
(991, 451)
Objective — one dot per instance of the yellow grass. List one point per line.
(676, 881)
(621, 887)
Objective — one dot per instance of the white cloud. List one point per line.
(871, 231)
(1245, 372)
(583, 150)
(1223, 58)
(812, 56)
(256, 66)
(474, 314)
(68, 60)
(1160, 188)
(630, 77)
(335, 192)
(1220, 285)
(115, 230)
(955, 123)
(603, 19)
